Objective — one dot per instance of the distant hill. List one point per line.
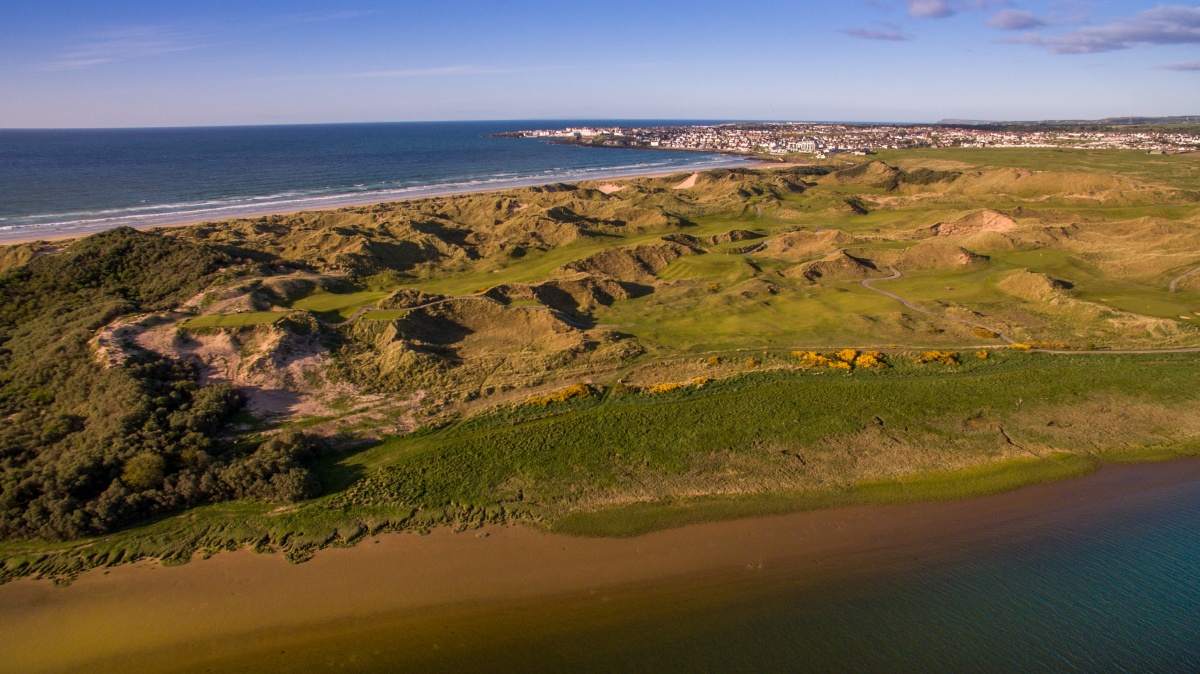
(1110, 121)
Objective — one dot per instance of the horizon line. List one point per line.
(948, 121)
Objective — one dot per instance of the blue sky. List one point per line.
(104, 63)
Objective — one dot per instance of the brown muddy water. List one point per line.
(1101, 573)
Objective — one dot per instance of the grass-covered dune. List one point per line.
(297, 381)
(771, 442)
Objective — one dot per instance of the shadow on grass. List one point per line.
(337, 471)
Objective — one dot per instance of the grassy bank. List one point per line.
(1001, 476)
(767, 443)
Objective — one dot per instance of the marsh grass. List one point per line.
(642, 518)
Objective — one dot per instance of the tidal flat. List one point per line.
(771, 594)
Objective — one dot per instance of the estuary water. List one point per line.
(1106, 582)
(1098, 574)
(68, 182)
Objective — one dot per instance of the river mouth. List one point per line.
(1095, 570)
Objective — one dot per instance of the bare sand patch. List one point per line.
(689, 183)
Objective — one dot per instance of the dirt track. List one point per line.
(1175, 281)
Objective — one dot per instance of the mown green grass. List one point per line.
(1173, 170)
(384, 314)
(234, 320)
(343, 304)
(977, 287)
(694, 319)
(725, 267)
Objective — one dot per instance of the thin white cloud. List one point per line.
(1163, 25)
(319, 17)
(890, 35)
(1015, 19)
(929, 9)
(122, 45)
(941, 9)
(431, 72)
(1190, 66)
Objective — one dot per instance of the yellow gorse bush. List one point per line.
(1019, 347)
(812, 359)
(701, 381)
(947, 357)
(984, 333)
(563, 395)
(842, 360)
(870, 360)
(981, 355)
(665, 388)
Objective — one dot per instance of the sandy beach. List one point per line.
(235, 604)
(608, 185)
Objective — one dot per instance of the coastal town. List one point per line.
(822, 140)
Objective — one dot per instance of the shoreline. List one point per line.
(231, 604)
(351, 201)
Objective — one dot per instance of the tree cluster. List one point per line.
(85, 448)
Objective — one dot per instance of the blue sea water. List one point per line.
(56, 182)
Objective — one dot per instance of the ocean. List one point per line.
(70, 182)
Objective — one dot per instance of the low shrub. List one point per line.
(870, 360)
(846, 355)
(984, 333)
(945, 357)
(1053, 346)
(812, 360)
(563, 395)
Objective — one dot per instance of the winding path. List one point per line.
(867, 283)
(1176, 281)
